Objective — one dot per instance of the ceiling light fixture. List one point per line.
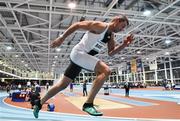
(147, 13)
(167, 53)
(168, 41)
(8, 47)
(122, 58)
(138, 52)
(58, 49)
(72, 5)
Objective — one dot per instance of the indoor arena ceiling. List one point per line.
(28, 26)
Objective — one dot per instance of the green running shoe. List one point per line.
(91, 110)
(36, 111)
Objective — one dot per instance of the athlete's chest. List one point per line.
(100, 41)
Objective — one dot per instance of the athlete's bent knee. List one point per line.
(107, 72)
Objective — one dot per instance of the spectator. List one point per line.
(19, 87)
(47, 85)
(71, 87)
(8, 88)
(28, 84)
(173, 86)
(127, 88)
(85, 88)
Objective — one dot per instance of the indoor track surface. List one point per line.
(14, 113)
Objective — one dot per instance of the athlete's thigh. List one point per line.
(84, 60)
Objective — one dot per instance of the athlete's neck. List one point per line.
(111, 27)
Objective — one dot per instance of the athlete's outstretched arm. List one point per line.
(85, 25)
(58, 41)
(112, 49)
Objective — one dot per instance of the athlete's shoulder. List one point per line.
(99, 26)
(100, 23)
(93, 26)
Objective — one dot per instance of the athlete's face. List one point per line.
(119, 26)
